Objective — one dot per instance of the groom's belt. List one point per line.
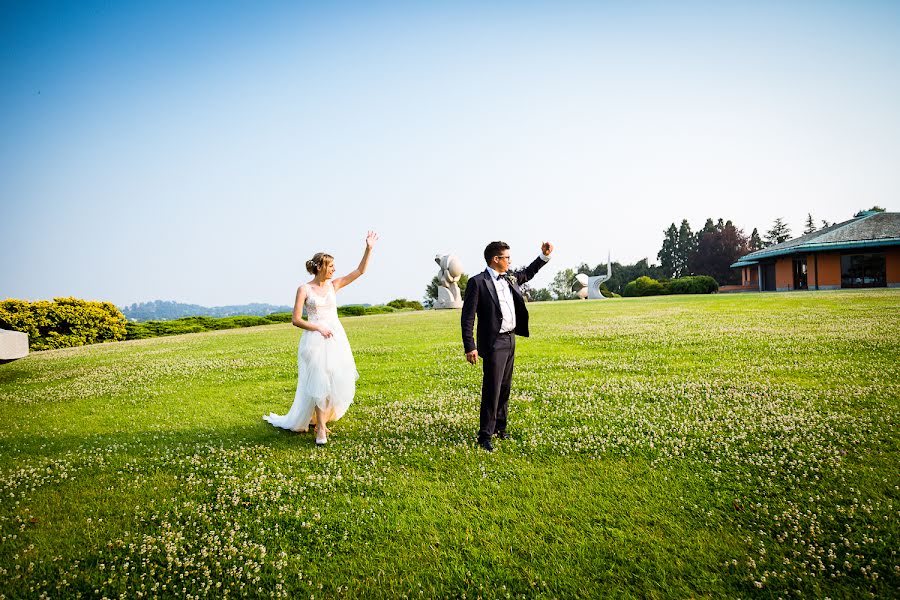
(506, 333)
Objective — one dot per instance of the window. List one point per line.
(863, 270)
(800, 277)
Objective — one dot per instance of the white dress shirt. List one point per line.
(504, 295)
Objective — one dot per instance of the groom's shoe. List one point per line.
(502, 435)
(486, 444)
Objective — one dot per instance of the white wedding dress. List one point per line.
(326, 371)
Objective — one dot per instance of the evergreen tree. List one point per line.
(687, 242)
(668, 254)
(780, 232)
(873, 209)
(810, 224)
(825, 223)
(756, 242)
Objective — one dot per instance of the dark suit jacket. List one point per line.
(481, 299)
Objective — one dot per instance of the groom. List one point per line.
(494, 296)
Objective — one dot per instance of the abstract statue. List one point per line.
(589, 287)
(448, 290)
(13, 345)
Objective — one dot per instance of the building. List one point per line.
(860, 253)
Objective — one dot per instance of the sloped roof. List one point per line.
(869, 230)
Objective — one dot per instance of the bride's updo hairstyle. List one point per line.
(319, 260)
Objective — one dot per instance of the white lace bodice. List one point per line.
(321, 307)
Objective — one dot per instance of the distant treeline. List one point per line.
(162, 310)
(149, 329)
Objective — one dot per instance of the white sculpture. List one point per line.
(580, 287)
(589, 287)
(448, 290)
(13, 345)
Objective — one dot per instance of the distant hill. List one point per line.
(163, 310)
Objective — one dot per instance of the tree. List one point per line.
(717, 250)
(825, 223)
(431, 291)
(540, 295)
(780, 232)
(755, 242)
(685, 246)
(875, 208)
(622, 274)
(668, 254)
(810, 224)
(562, 285)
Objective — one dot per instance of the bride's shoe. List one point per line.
(321, 437)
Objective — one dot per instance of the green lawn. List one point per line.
(706, 446)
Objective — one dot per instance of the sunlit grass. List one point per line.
(710, 446)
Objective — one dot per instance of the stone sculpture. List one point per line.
(586, 287)
(13, 345)
(448, 289)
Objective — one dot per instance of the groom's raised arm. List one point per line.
(531, 270)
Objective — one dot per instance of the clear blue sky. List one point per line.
(201, 152)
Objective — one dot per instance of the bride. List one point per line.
(326, 379)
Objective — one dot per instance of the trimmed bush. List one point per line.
(643, 286)
(63, 323)
(351, 311)
(403, 303)
(284, 317)
(697, 284)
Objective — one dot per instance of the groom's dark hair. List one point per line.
(494, 249)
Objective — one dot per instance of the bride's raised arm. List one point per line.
(349, 278)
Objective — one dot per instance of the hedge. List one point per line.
(696, 284)
(63, 323)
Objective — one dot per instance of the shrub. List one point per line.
(643, 286)
(351, 311)
(698, 284)
(284, 317)
(63, 323)
(402, 303)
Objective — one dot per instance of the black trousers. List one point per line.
(495, 386)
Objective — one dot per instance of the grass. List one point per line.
(740, 446)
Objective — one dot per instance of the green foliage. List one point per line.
(780, 232)
(281, 317)
(644, 286)
(63, 323)
(694, 284)
(875, 208)
(403, 303)
(562, 285)
(357, 310)
(668, 254)
(540, 295)
(622, 274)
(150, 329)
(160, 310)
